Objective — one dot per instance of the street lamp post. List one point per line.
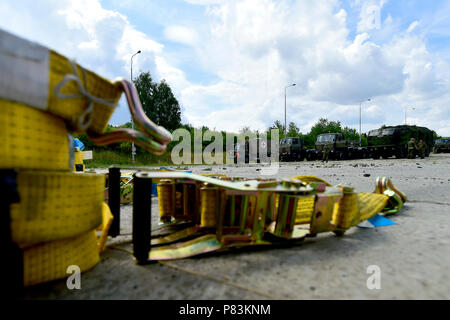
(360, 119)
(133, 149)
(406, 109)
(285, 128)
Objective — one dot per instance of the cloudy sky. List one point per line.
(228, 62)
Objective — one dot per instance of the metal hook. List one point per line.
(152, 137)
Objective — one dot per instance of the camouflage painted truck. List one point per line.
(291, 149)
(442, 145)
(392, 141)
(339, 148)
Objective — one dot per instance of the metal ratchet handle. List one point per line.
(129, 135)
(139, 116)
(153, 138)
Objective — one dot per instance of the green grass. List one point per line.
(102, 159)
(109, 158)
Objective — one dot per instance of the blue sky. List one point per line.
(229, 61)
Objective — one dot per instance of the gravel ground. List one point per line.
(413, 256)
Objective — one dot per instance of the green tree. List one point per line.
(350, 133)
(158, 101)
(293, 130)
(325, 126)
(277, 125)
(308, 141)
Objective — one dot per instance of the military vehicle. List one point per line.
(442, 145)
(339, 148)
(392, 141)
(291, 149)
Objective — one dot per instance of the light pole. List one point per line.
(285, 107)
(133, 149)
(360, 119)
(406, 109)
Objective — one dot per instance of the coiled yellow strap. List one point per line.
(32, 139)
(55, 205)
(49, 261)
(75, 107)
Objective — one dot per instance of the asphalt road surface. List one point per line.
(413, 257)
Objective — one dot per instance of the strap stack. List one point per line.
(44, 98)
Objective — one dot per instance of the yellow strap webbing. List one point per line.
(72, 108)
(32, 139)
(56, 205)
(49, 261)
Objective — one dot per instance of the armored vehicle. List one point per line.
(442, 145)
(338, 147)
(291, 149)
(392, 141)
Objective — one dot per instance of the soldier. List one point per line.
(421, 148)
(325, 154)
(411, 148)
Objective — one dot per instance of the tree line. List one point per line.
(161, 106)
(321, 126)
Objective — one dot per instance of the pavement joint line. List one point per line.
(223, 281)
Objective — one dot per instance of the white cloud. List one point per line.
(181, 34)
(412, 26)
(264, 45)
(253, 49)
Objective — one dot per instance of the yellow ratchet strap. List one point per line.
(32, 139)
(71, 91)
(56, 205)
(107, 219)
(51, 260)
(352, 208)
(43, 79)
(309, 179)
(396, 197)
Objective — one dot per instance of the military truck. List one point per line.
(291, 149)
(392, 140)
(338, 146)
(442, 145)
